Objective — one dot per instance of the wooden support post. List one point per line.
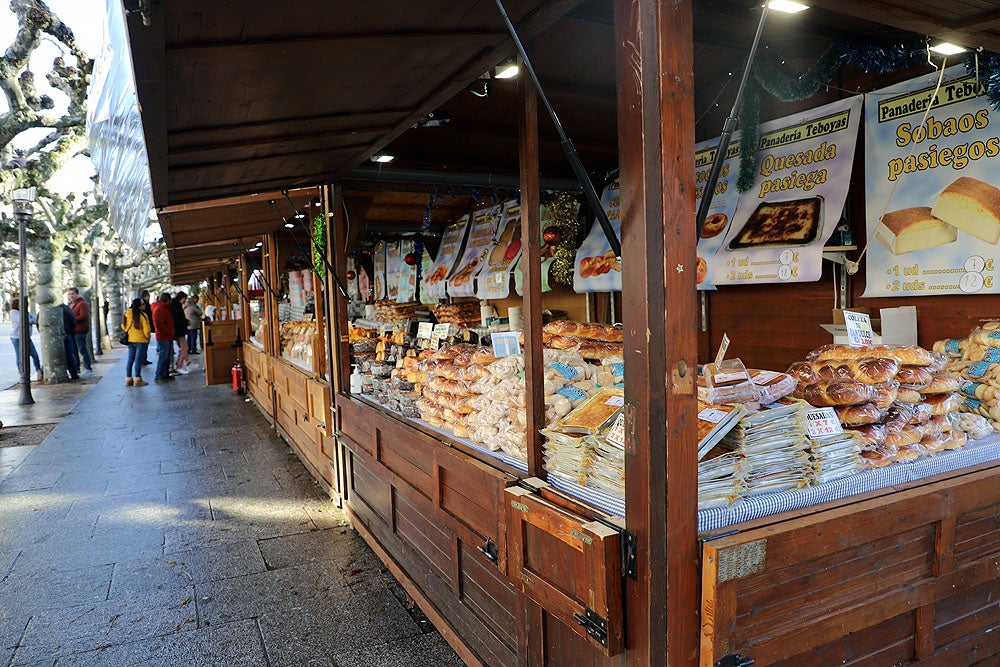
(532, 263)
(654, 53)
(336, 230)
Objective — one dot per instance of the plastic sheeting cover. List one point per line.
(115, 136)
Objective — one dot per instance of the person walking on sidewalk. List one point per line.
(81, 333)
(148, 309)
(163, 324)
(69, 347)
(194, 315)
(180, 332)
(137, 324)
(15, 336)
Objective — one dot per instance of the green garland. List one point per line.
(564, 206)
(319, 245)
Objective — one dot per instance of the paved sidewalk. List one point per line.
(167, 525)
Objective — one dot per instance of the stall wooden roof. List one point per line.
(252, 97)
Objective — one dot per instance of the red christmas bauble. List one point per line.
(350, 275)
(552, 235)
(411, 258)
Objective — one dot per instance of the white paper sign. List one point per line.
(432, 286)
(597, 268)
(723, 348)
(506, 343)
(616, 436)
(462, 281)
(859, 329)
(494, 280)
(723, 206)
(425, 330)
(822, 422)
(379, 265)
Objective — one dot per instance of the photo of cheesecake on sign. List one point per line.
(795, 222)
(967, 204)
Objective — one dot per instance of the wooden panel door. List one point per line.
(896, 579)
(222, 347)
(568, 564)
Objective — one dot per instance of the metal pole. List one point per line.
(98, 350)
(25, 334)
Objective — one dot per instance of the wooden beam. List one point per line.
(278, 139)
(977, 21)
(263, 198)
(298, 180)
(151, 91)
(654, 70)
(198, 166)
(308, 120)
(534, 362)
(287, 41)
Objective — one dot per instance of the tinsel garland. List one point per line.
(564, 206)
(319, 245)
(869, 58)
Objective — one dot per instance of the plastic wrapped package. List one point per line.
(974, 426)
(726, 383)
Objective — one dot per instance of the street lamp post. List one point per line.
(23, 199)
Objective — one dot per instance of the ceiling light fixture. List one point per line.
(382, 158)
(787, 6)
(289, 225)
(948, 49)
(508, 69)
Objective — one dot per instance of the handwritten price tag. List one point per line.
(859, 329)
(616, 436)
(821, 422)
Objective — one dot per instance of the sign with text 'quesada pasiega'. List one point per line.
(780, 225)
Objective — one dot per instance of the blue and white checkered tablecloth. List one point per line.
(756, 507)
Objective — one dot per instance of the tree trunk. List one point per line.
(48, 255)
(83, 274)
(114, 283)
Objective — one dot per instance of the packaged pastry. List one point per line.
(904, 395)
(914, 377)
(596, 411)
(921, 412)
(908, 435)
(885, 393)
(943, 403)
(837, 392)
(941, 383)
(867, 370)
(955, 440)
(858, 415)
(727, 382)
(869, 436)
(771, 385)
(612, 334)
(896, 417)
(907, 453)
(878, 456)
(908, 355)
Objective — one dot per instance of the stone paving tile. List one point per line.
(60, 632)
(318, 627)
(250, 596)
(19, 481)
(232, 645)
(180, 569)
(288, 550)
(52, 587)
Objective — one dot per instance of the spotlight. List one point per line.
(787, 6)
(948, 49)
(382, 158)
(506, 70)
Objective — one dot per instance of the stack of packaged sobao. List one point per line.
(447, 392)
(977, 359)
(897, 399)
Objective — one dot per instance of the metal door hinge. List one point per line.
(490, 550)
(734, 660)
(630, 555)
(596, 626)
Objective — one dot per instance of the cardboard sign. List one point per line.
(859, 329)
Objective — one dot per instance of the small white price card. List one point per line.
(440, 332)
(723, 348)
(822, 421)
(712, 415)
(506, 343)
(616, 401)
(616, 436)
(859, 329)
(425, 330)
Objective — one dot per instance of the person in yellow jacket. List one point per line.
(138, 325)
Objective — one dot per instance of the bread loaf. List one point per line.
(921, 412)
(928, 428)
(804, 373)
(942, 404)
(884, 393)
(909, 355)
(908, 395)
(907, 453)
(896, 417)
(956, 440)
(858, 415)
(914, 377)
(590, 331)
(933, 444)
(871, 435)
(943, 423)
(971, 205)
(837, 392)
(869, 371)
(878, 456)
(942, 383)
(909, 435)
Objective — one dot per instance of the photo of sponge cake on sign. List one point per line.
(967, 204)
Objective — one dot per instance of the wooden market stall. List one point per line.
(511, 568)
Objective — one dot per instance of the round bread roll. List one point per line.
(804, 372)
(872, 435)
(921, 412)
(907, 453)
(908, 395)
(941, 383)
(943, 423)
(928, 428)
(837, 392)
(942, 404)
(956, 440)
(884, 394)
(909, 435)
(897, 416)
(933, 444)
(878, 457)
(914, 377)
(858, 415)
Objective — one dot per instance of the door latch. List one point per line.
(490, 550)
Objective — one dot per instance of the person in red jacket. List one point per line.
(81, 333)
(163, 326)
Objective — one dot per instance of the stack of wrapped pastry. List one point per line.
(977, 359)
(461, 314)
(606, 471)
(391, 312)
(773, 442)
(896, 398)
(590, 341)
(448, 378)
(570, 443)
(721, 478)
(835, 456)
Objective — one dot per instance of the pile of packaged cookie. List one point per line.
(893, 403)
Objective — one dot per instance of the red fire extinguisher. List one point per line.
(237, 372)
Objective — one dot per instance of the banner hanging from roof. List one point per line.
(932, 197)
